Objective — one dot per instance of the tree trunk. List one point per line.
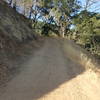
(30, 15)
(62, 31)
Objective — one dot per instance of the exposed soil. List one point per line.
(13, 54)
(15, 46)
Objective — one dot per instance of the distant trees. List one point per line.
(88, 30)
(55, 12)
(90, 3)
(27, 6)
(22, 6)
(59, 13)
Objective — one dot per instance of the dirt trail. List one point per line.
(51, 75)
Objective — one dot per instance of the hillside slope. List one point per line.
(13, 24)
(14, 40)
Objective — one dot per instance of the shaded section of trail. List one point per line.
(50, 75)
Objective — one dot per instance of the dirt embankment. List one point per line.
(14, 25)
(13, 55)
(15, 34)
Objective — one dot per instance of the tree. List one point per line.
(89, 35)
(61, 12)
(90, 3)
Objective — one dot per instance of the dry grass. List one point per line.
(81, 56)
